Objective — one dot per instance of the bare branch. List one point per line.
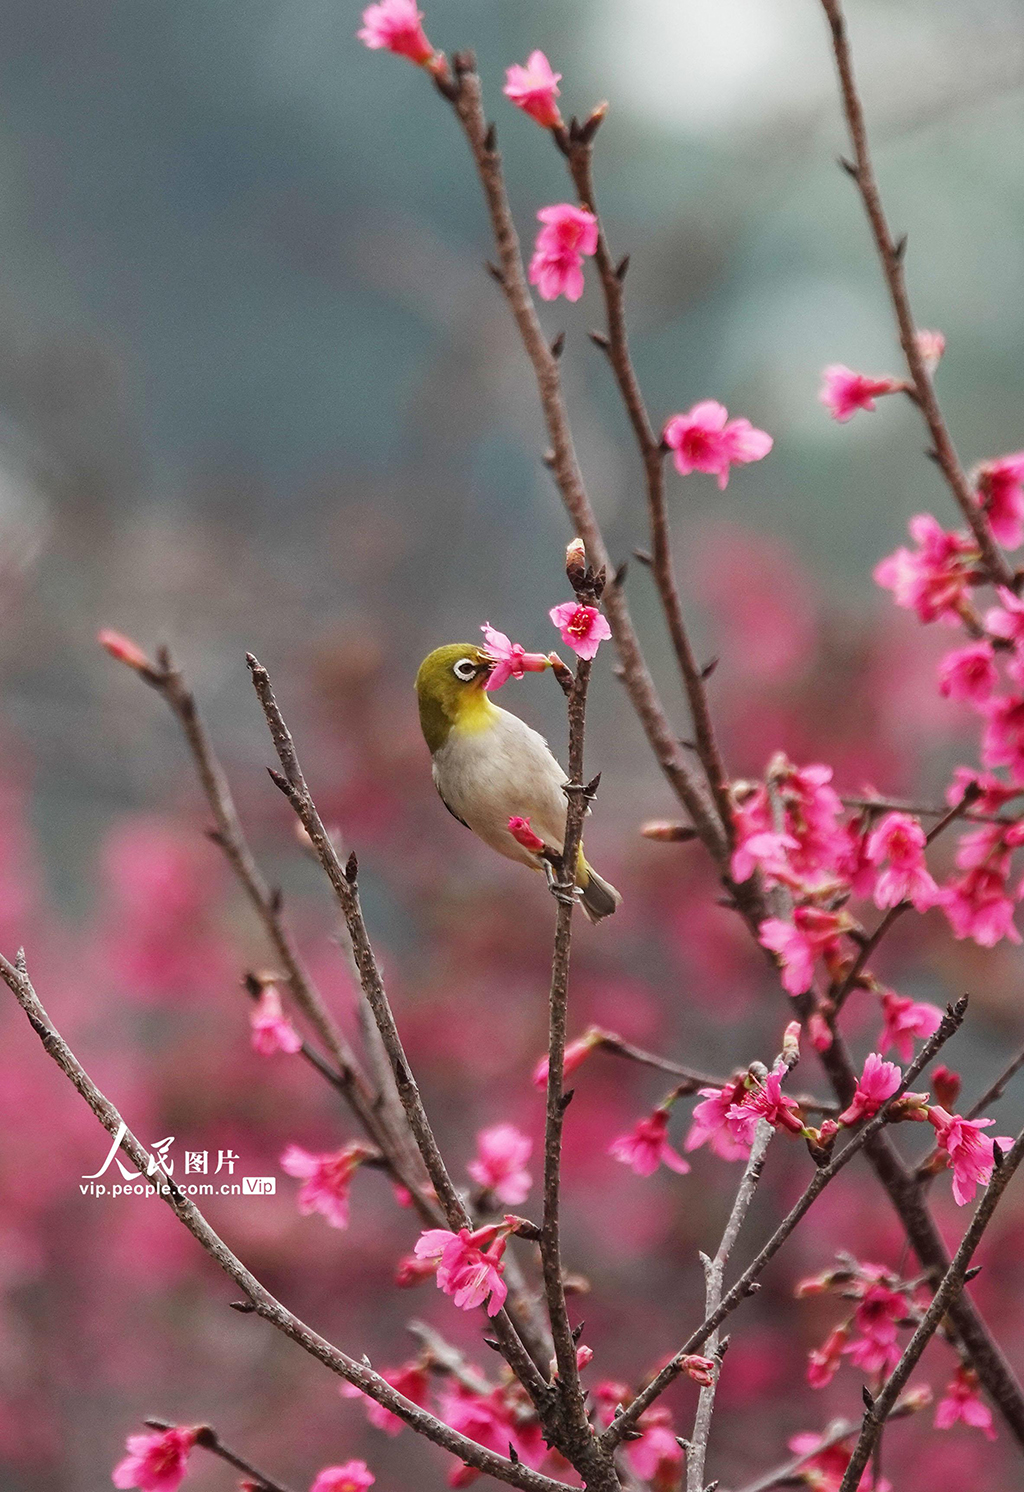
(263, 1303)
(951, 1286)
(890, 252)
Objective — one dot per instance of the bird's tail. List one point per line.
(600, 897)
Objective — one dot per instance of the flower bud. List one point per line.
(791, 1043)
(913, 1401)
(576, 563)
(125, 651)
(700, 1369)
(664, 832)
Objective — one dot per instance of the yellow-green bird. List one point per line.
(489, 766)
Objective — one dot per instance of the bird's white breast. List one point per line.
(503, 771)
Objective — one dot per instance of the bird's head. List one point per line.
(450, 689)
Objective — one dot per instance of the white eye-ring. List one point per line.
(465, 669)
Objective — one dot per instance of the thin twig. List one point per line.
(891, 255)
(564, 888)
(714, 1272)
(343, 880)
(207, 1437)
(838, 1431)
(951, 1286)
(262, 1302)
(951, 1022)
(652, 454)
(444, 1358)
(463, 92)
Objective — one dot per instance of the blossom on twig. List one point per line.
(901, 840)
(813, 933)
(500, 1163)
(712, 1125)
(468, 1265)
(766, 1100)
(932, 580)
(970, 1152)
(705, 439)
(646, 1147)
(272, 1031)
(583, 628)
(534, 88)
(156, 1461)
(904, 1019)
(843, 391)
(962, 1401)
(326, 1179)
(394, 26)
(353, 1476)
(569, 233)
(877, 1082)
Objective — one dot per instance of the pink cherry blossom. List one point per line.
(1007, 620)
(901, 840)
(879, 1081)
(962, 1402)
(876, 1350)
(825, 1361)
(469, 1266)
(509, 660)
(576, 1052)
(327, 1179)
(812, 846)
(394, 25)
(500, 1163)
(534, 88)
(904, 1019)
(1001, 494)
(978, 906)
(932, 580)
(828, 1466)
(969, 1151)
(646, 1147)
(271, 1029)
(156, 1461)
(583, 628)
(766, 1101)
(657, 1456)
(493, 1420)
(843, 392)
(568, 234)
(353, 1476)
(705, 439)
(969, 673)
(995, 793)
(812, 933)
(712, 1125)
(411, 1380)
(1002, 742)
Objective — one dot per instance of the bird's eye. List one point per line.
(465, 669)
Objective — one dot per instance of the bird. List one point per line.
(489, 767)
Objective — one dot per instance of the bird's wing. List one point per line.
(450, 809)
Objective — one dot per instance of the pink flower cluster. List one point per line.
(934, 579)
(869, 1337)
(326, 1179)
(969, 1152)
(825, 1465)
(656, 1456)
(569, 234)
(705, 439)
(468, 1264)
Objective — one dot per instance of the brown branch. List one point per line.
(345, 1074)
(207, 1437)
(951, 1022)
(921, 810)
(343, 880)
(951, 1286)
(652, 454)
(262, 1302)
(463, 92)
(692, 1081)
(714, 1273)
(891, 255)
(570, 1397)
